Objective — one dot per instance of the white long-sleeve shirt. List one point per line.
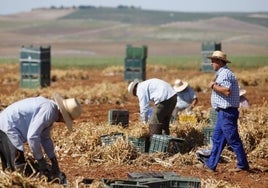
(155, 90)
(30, 120)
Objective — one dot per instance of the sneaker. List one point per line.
(204, 152)
(204, 167)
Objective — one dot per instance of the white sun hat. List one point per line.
(179, 85)
(242, 92)
(132, 85)
(69, 108)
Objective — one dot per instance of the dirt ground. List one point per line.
(98, 113)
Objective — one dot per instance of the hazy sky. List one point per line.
(14, 6)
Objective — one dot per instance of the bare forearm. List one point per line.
(220, 89)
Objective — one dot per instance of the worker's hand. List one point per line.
(42, 165)
(54, 166)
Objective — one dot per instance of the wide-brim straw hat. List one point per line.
(242, 92)
(219, 55)
(179, 85)
(69, 108)
(132, 85)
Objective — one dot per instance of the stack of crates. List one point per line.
(135, 63)
(165, 143)
(35, 65)
(208, 48)
(118, 117)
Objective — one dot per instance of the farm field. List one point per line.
(80, 153)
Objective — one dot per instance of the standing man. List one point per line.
(164, 98)
(225, 99)
(30, 120)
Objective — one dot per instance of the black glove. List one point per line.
(42, 165)
(55, 166)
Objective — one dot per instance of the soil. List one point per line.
(98, 113)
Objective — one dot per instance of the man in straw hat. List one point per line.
(164, 98)
(225, 99)
(186, 98)
(30, 120)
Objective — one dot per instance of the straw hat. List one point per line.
(219, 55)
(70, 109)
(242, 92)
(132, 85)
(179, 85)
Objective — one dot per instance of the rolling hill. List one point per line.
(106, 31)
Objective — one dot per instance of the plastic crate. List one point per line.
(116, 117)
(108, 139)
(213, 117)
(141, 143)
(35, 67)
(35, 54)
(132, 75)
(148, 182)
(134, 69)
(184, 182)
(136, 52)
(210, 46)
(165, 143)
(116, 185)
(208, 132)
(187, 118)
(156, 183)
(207, 48)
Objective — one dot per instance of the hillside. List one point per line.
(106, 32)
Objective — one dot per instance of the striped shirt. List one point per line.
(226, 78)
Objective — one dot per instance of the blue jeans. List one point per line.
(226, 131)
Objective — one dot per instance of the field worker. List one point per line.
(225, 99)
(244, 102)
(186, 98)
(164, 98)
(30, 120)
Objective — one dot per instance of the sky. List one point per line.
(17, 6)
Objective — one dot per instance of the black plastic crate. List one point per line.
(184, 182)
(108, 139)
(141, 143)
(116, 117)
(165, 143)
(207, 133)
(148, 182)
(117, 185)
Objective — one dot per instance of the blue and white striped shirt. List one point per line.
(226, 78)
